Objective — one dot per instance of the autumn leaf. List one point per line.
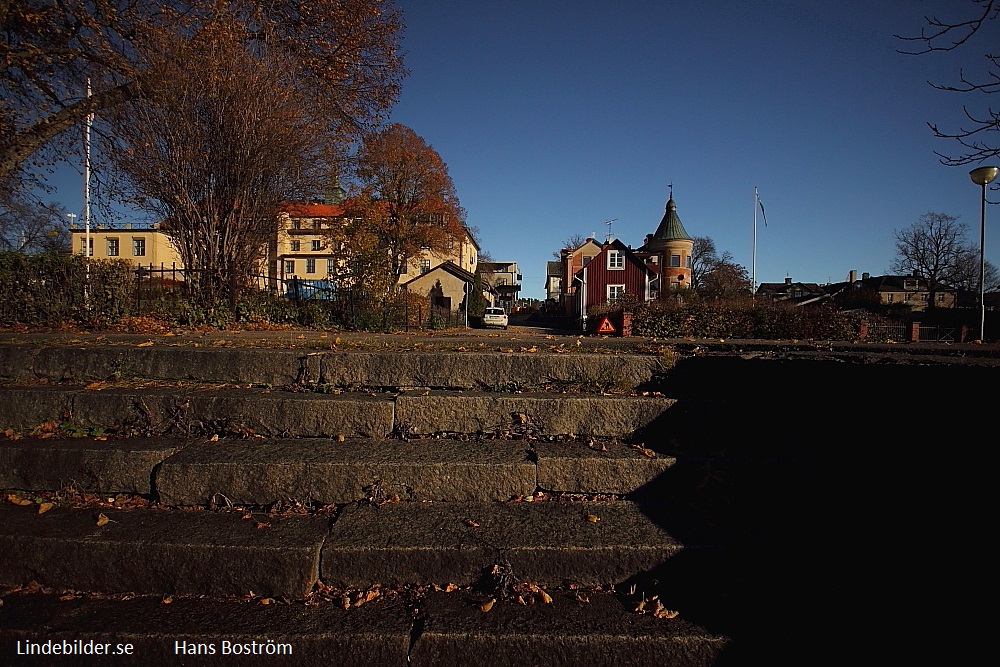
(450, 588)
(266, 600)
(166, 600)
(544, 597)
(214, 438)
(262, 524)
(95, 386)
(486, 606)
(45, 507)
(471, 524)
(593, 518)
(148, 343)
(102, 519)
(17, 500)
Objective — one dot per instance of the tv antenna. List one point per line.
(608, 223)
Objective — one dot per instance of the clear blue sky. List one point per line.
(556, 115)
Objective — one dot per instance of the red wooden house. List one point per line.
(611, 274)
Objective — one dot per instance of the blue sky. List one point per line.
(556, 115)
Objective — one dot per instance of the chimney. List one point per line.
(788, 280)
(866, 276)
(852, 276)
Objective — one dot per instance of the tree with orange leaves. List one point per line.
(404, 204)
(343, 54)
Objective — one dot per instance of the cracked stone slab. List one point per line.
(158, 551)
(545, 542)
(85, 464)
(169, 411)
(472, 370)
(263, 471)
(228, 365)
(576, 468)
(566, 632)
(549, 413)
(377, 633)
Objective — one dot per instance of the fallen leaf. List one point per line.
(67, 597)
(214, 438)
(45, 507)
(340, 437)
(102, 519)
(582, 599)
(593, 518)
(148, 343)
(166, 600)
(470, 523)
(17, 500)
(486, 606)
(96, 385)
(266, 600)
(450, 588)
(262, 524)
(545, 597)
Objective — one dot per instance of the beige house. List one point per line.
(145, 245)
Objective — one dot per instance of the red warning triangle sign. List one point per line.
(605, 326)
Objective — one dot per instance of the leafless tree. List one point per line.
(27, 225)
(977, 137)
(572, 242)
(935, 248)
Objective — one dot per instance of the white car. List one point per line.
(495, 317)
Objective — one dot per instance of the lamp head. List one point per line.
(983, 175)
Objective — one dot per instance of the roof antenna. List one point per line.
(608, 223)
(671, 186)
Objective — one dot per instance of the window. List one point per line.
(289, 266)
(687, 262)
(83, 245)
(310, 265)
(316, 224)
(139, 247)
(296, 224)
(293, 246)
(331, 267)
(940, 297)
(890, 297)
(317, 245)
(909, 283)
(616, 260)
(586, 261)
(675, 260)
(615, 292)
(425, 265)
(923, 296)
(112, 247)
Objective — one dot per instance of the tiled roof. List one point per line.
(670, 228)
(311, 210)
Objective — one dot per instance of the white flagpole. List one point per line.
(86, 193)
(753, 260)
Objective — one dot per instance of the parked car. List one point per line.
(495, 317)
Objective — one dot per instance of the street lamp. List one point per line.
(982, 176)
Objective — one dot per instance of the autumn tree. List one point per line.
(207, 153)
(404, 204)
(344, 55)
(978, 135)
(935, 248)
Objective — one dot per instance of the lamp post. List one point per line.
(982, 176)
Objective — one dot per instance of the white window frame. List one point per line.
(138, 246)
(113, 245)
(613, 292)
(616, 260)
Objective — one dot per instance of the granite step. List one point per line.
(459, 368)
(240, 553)
(433, 629)
(196, 409)
(200, 471)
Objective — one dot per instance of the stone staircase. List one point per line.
(362, 507)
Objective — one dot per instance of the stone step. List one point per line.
(186, 409)
(262, 472)
(439, 629)
(236, 553)
(459, 369)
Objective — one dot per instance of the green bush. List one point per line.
(49, 289)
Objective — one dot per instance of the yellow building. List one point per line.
(142, 244)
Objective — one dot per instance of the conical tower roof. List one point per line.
(670, 228)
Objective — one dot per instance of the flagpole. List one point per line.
(86, 194)
(753, 260)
